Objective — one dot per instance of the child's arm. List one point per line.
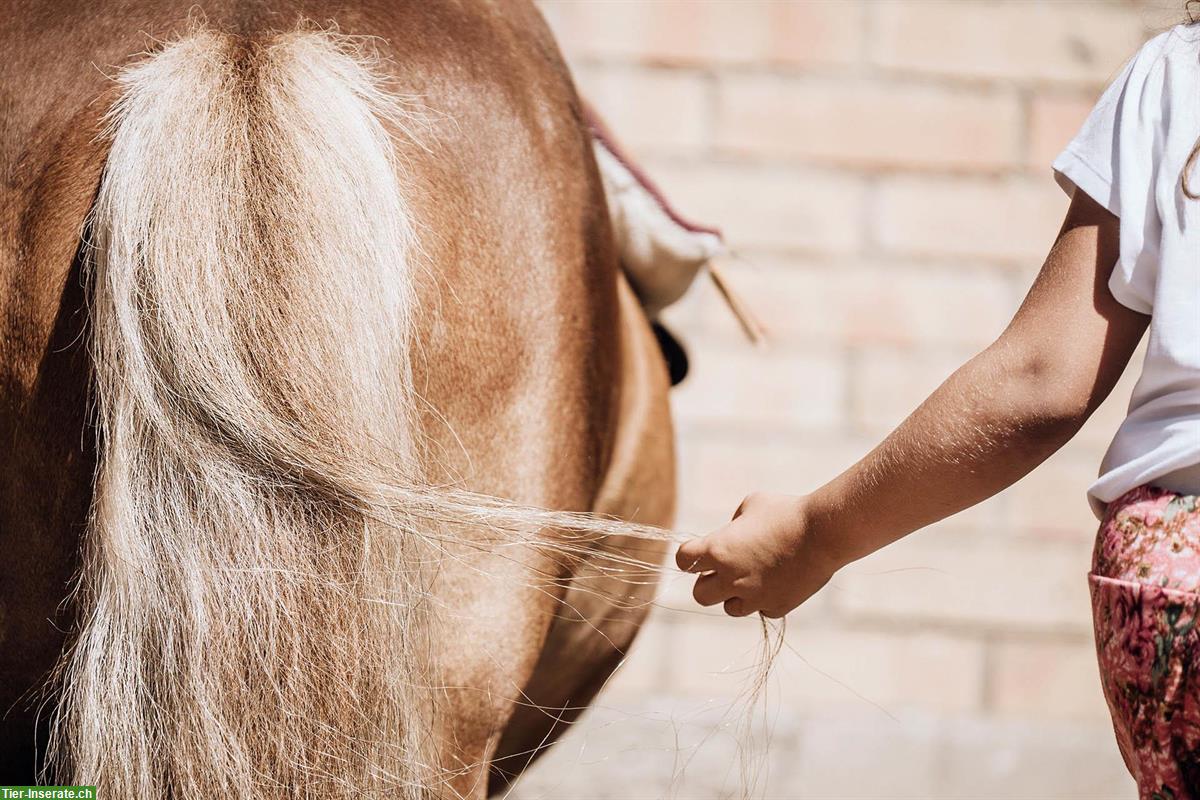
(995, 419)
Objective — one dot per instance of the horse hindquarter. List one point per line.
(255, 609)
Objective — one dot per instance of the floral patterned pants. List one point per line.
(1145, 585)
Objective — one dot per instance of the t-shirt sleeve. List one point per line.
(1114, 159)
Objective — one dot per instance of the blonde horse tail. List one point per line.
(249, 601)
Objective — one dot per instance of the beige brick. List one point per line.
(649, 110)
(824, 32)
(663, 746)
(718, 471)
(999, 585)
(889, 384)
(1158, 15)
(716, 656)
(1054, 119)
(751, 388)
(811, 303)
(815, 33)
(865, 303)
(824, 669)
(1071, 42)
(778, 208)
(1099, 430)
(986, 758)
(868, 124)
(1046, 680)
(1051, 502)
(868, 756)
(1010, 220)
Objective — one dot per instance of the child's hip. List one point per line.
(1146, 610)
(1150, 536)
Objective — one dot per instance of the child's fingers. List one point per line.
(693, 556)
(711, 589)
(737, 607)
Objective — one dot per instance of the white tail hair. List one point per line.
(250, 614)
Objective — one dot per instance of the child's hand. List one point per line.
(765, 560)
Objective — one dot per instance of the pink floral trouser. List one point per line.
(1145, 584)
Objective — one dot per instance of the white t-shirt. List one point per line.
(1129, 157)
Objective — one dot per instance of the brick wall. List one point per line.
(883, 170)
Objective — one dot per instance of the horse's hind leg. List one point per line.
(46, 452)
(606, 601)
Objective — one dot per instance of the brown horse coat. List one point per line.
(539, 376)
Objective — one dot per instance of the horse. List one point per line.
(309, 310)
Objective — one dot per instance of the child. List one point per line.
(1127, 258)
